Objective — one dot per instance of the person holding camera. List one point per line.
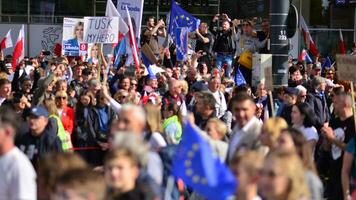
(151, 33)
(204, 41)
(224, 44)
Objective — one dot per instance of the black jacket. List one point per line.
(93, 121)
(36, 147)
(320, 108)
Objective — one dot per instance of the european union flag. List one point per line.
(327, 63)
(181, 43)
(239, 78)
(180, 18)
(199, 169)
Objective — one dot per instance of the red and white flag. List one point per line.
(111, 11)
(19, 50)
(133, 43)
(307, 37)
(342, 44)
(6, 42)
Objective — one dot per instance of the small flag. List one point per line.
(307, 37)
(304, 56)
(199, 169)
(119, 50)
(327, 63)
(19, 50)
(239, 78)
(342, 44)
(6, 42)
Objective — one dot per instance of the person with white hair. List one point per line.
(302, 94)
(132, 119)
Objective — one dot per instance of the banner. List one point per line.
(101, 29)
(72, 40)
(135, 8)
(346, 67)
(182, 43)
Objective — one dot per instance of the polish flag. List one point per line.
(19, 50)
(304, 56)
(111, 11)
(7, 41)
(133, 43)
(307, 37)
(342, 44)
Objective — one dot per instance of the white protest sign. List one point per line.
(72, 40)
(101, 29)
(346, 67)
(135, 8)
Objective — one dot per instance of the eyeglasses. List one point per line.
(134, 84)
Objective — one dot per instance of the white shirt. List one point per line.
(17, 177)
(309, 133)
(238, 135)
(2, 100)
(220, 105)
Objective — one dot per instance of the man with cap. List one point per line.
(41, 137)
(290, 99)
(317, 101)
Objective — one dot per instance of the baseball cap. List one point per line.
(317, 66)
(291, 91)
(38, 111)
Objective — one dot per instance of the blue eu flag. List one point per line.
(180, 18)
(196, 165)
(239, 78)
(327, 63)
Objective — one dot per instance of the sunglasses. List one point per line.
(61, 97)
(245, 24)
(134, 84)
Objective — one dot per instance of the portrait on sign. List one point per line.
(72, 42)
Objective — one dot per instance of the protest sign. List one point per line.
(101, 29)
(262, 70)
(181, 43)
(346, 67)
(72, 40)
(135, 8)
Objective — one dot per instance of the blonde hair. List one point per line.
(220, 126)
(185, 87)
(291, 165)
(251, 161)
(51, 107)
(273, 128)
(154, 118)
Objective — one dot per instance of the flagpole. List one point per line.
(157, 14)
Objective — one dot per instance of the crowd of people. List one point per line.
(74, 129)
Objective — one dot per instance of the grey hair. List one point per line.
(141, 114)
(301, 89)
(132, 143)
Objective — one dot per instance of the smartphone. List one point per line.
(28, 62)
(46, 53)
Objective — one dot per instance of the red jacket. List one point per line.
(67, 119)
